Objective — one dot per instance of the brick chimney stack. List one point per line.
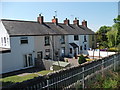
(76, 22)
(40, 19)
(67, 21)
(55, 20)
(84, 23)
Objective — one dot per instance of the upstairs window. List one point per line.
(24, 40)
(85, 40)
(2, 41)
(62, 39)
(76, 37)
(47, 40)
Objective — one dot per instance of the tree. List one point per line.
(81, 59)
(102, 35)
(111, 38)
(116, 26)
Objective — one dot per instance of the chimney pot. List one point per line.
(76, 22)
(39, 14)
(84, 23)
(66, 21)
(40, 19)
(55, 20)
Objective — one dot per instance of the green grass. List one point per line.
(14, 79)
(44, 72)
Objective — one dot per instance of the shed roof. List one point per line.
(60, 63)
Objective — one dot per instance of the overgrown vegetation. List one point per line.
(109, 79)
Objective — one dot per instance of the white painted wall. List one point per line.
(80, 42)
(102, 53)
(4, 35)
(15, 60)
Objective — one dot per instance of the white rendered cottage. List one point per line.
(30, 40)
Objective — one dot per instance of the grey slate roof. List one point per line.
(19, 28)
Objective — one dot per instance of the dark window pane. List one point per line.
(85, 40)
(76, 37)
(47, 40)
(25, 65)
(4, 39)
(70, 50)
(84, 47)
(62, 39)
(30, 60)
(24, 40)
(80, 47)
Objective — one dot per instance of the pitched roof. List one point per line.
(19, 28)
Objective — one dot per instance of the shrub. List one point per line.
(81, 59)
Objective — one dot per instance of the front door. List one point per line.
(75, 53)
(39, 55)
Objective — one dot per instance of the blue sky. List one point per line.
(96, 13)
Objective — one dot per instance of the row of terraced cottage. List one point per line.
(21, 42)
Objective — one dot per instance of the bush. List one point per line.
(81, 59)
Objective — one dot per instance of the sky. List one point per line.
(96, 14)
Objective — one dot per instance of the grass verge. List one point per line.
(14, 79)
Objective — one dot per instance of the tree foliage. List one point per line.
(112, 38)
(109, 36)
(102, 35)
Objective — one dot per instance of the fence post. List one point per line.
(102, 67)
(47, 84)
(83, 78)
(114, 62)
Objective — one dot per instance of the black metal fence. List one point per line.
(65, 78)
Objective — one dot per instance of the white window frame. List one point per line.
(28, 62)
